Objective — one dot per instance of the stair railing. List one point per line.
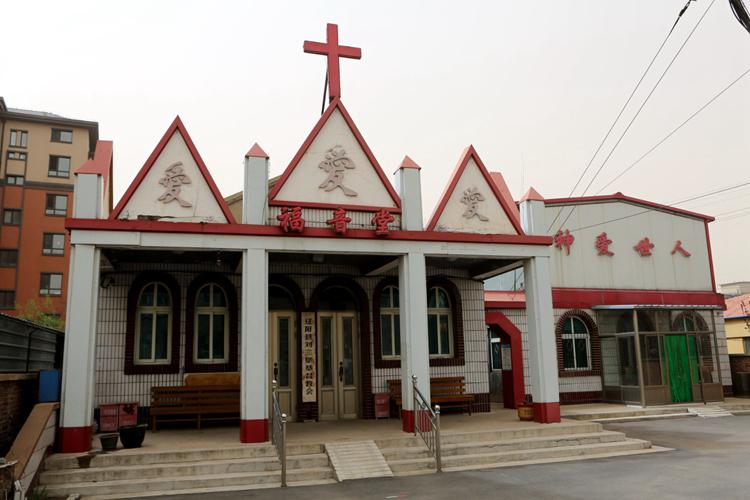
(427, 423)
(278, 431)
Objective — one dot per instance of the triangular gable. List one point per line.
(174, 184)
(499, 181)
(335, 168)
(472, 202)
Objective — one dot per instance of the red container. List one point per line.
(128, 414)
(115, 415)
(382, 405)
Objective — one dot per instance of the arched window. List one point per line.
(576, 344)
(689, 321)
(390, 327)
(439, 323)
(211, 325)
(153, 336)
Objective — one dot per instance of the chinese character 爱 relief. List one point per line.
(174, 178)
(336, 164)
(471, 199)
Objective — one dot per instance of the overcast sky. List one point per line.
(533, 85)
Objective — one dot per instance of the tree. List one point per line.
(42, 314)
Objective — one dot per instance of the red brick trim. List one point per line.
(368, 410)
(567, 398)
(231, 293)
(379, 361)
(596, 358)
(139, 282)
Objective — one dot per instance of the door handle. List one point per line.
(276, 371)
(341, 371)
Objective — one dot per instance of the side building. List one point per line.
(38, 153)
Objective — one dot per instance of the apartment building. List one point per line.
(38, 153)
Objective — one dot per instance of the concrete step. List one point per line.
(207, 482)
(180, 469)
(634, 411)
(644, 418)
(523, 432)
(141, 457)
(507, 445)
(709, 411)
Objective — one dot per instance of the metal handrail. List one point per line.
(427, 423)
(278, 430)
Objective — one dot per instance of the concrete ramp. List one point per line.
(357, 460)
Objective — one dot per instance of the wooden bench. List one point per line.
(198, 403)
(444, 391)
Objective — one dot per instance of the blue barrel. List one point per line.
(49, 386)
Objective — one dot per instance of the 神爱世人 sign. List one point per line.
(309, 377)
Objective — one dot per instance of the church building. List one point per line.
(333, 281)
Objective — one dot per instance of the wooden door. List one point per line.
(283, 364)
(338, 366)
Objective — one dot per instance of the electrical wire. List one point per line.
(632, 120)
(624, 106)
(740, 12)
(663, 140)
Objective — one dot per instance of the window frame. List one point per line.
(439, 312)
(12, 293)
(24, 138)
(572, 336)
(15, 182)
(394, 319)
(55, 159)
(12, 211)
(55, 211)
(49, 289)
(59, 139)
(154, 310)
(593, 349)
(52, 249)
(211, 310)
(22, 155)
(10, 251)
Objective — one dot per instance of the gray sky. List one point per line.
(533, 85)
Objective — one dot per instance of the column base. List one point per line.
(254, 431)
(74, 439)
(547, 413)
(407, 420)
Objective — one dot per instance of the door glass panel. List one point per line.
(628, 363)
(327, 350)
(650, 360)
(218, 337)
(610, 362)
(283, 376)
(348, 348)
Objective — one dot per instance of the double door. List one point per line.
(338, 366)
(283, 365)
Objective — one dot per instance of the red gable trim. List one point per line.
(628, 199)
(176, 126)
(335, 104)
(469, 153)
(312, 232)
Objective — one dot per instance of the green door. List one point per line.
(680, 386)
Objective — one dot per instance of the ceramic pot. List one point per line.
(132, 435)
(109, 441)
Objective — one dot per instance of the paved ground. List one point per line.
(710, 461)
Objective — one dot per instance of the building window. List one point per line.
(19, 138)
(576, 344)
(50, 284)
(60, 135)
(439, 323)
(16, 155)
(59, 166)
(7, 299)
(8, 257)
(211, 325)
(153, 324)
(12, 217)
(14, 180)
(57, 204)
(53, 244)
(390, 324)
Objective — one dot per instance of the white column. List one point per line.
(255, 193)
(254, 382)
(415, 354)
(409, 185)
(77, 406)
(545, 389)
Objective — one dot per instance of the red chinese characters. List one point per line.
(380, 220)
(678, 248)
(602, 245)
(564, 240)
(291, 220)
(644, 247)
(339, 221)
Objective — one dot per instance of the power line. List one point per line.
(637, 113)
(708, 103)
(622, 109)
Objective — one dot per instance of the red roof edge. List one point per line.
(502, 186)
(621, 197)
(256, 152)
(409, 163)
(532, 195)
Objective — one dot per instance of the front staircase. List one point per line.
(134, 474)
(489, 449)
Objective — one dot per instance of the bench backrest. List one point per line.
(196, 397)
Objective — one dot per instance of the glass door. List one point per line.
(338, 378)
(283, 362)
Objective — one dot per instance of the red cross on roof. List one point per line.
(333, 51)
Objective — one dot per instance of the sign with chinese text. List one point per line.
(309, 376)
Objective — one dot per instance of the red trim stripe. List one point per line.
(628, 199)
